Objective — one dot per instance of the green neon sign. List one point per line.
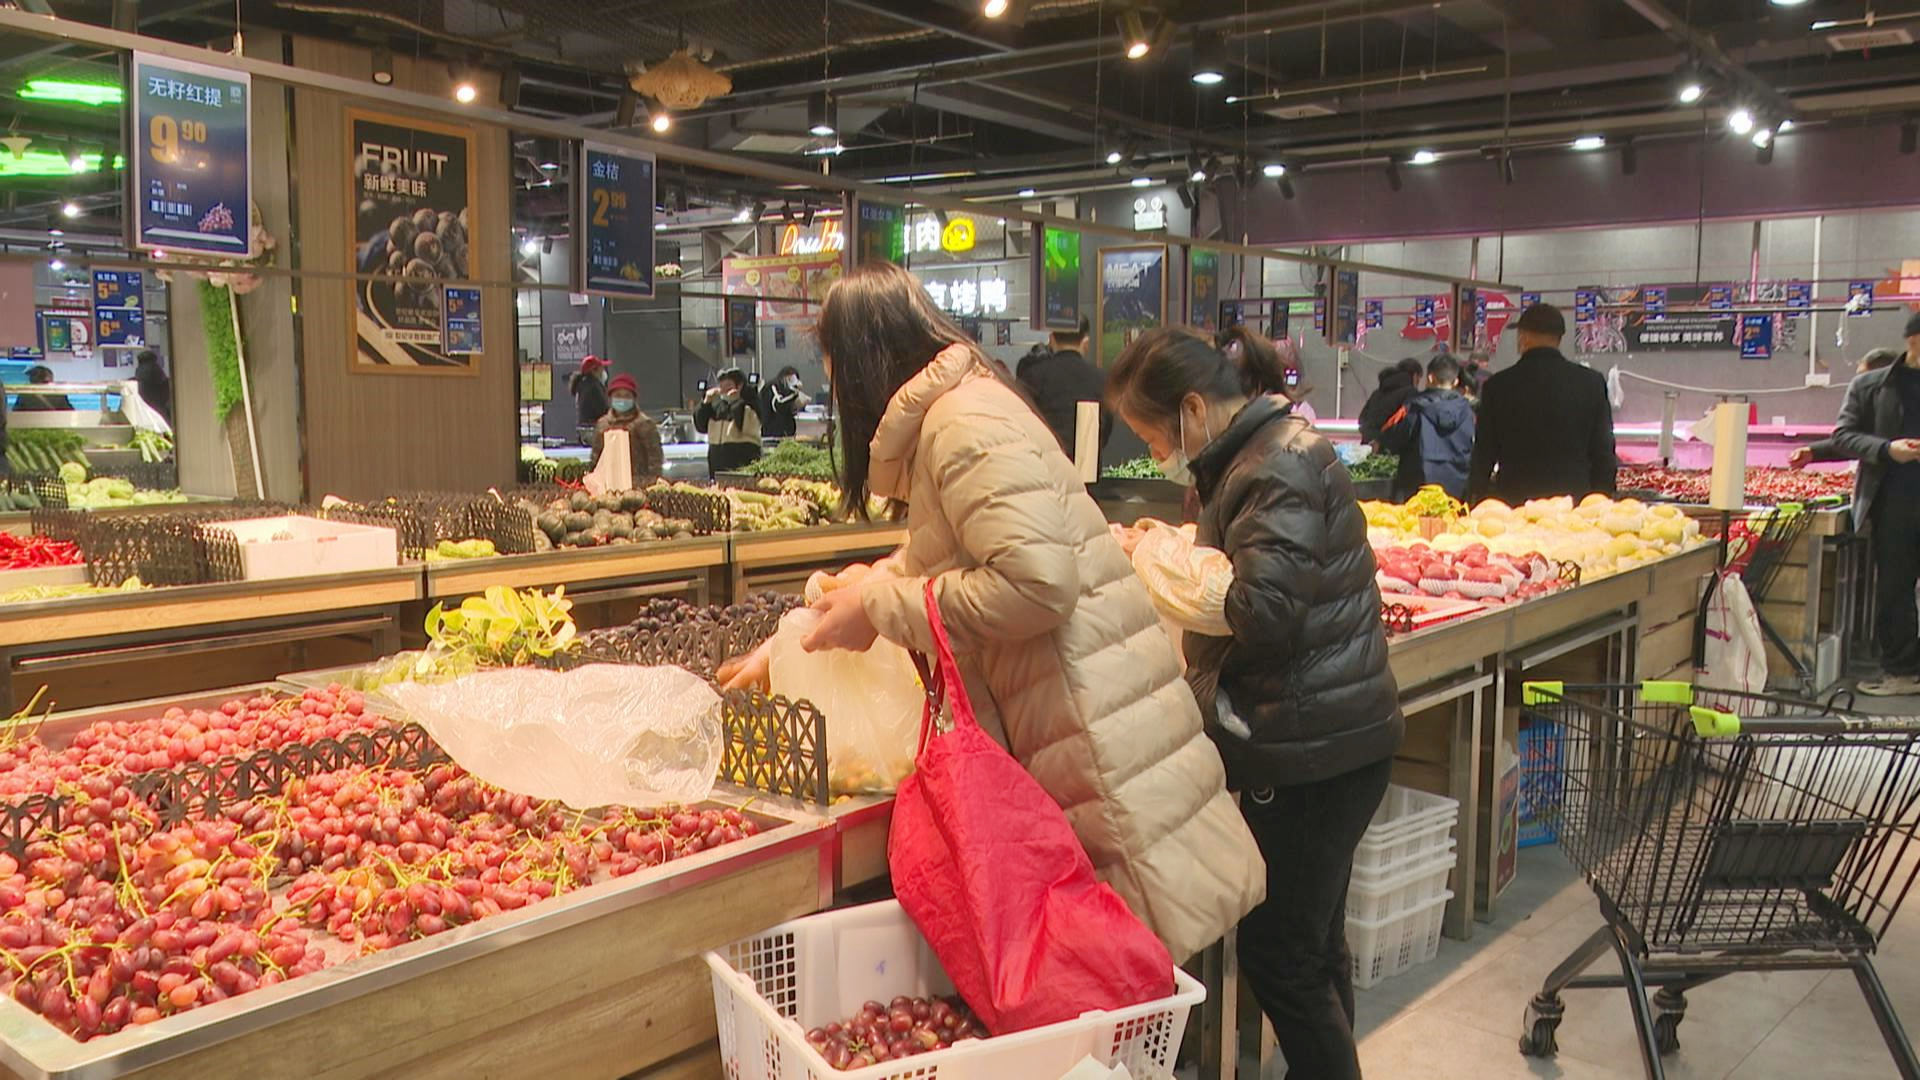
(47, 163)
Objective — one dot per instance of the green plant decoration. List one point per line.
(223, 349)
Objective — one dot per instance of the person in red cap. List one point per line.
(589, 388)
(643, 435)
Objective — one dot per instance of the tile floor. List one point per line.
(1459, 1017)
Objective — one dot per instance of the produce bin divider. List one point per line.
(22, 821)
(423, 519)
(709, 513)
(775, 745)
(150, 475)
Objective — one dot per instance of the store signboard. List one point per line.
(119, 307)
(1859, 298)
(879, 231)
(410, 187)
(1696, 327)
(1203, 288)
(191, 150)
(460, 321)
(1133, 295)
(1799, 298)
(789, 286)
(968, 295)
(1056, 269)
(1756, 337)
(798, 238)
(614, 220)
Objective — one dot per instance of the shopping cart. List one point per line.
(1725, 832)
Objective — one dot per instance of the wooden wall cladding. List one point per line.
(368, 434)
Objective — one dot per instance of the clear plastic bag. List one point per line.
(872, 701)
(599, 735)
(1188, 583)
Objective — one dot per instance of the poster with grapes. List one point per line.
(192, 145)
(411, 186)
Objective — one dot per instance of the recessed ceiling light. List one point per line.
(1142, 181)
(1423, 157)
(1113, 157)
(1787, 3)
(1589, 142)
(1691, 92)
(1273, 169)
(465, 93)
(1027, 193)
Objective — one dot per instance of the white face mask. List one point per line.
(793, 382)
(1175, 465)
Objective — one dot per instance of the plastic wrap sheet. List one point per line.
(600, 735)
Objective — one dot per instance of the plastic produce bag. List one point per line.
(1735, 656)
(615, 471)
(872, 701)
(1188, 583)
(599, 735)
(139, 414)
(987, 866)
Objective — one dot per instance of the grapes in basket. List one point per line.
(906, 1027)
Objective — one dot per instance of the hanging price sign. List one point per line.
(191, 147)
(616, 221)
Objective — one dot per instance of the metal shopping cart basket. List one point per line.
(1726, 832)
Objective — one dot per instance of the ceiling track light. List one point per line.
(1011, 12)
(759, 210)
(661, 122)
(1909, 135)
(1144, 33)
(382, 66)
(1209, 59)
(1274, 170)
(1422, 157)
(1763, 136)
(1286, 187)
(1740, 121)
(510, 89)
(1689, 83)
(623, 113)
(1629, 158)
(1507, 171)
(1393, 173)
(1763, 153)
(822, 115)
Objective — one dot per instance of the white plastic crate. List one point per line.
(1410, 825)
(770, 989)
(1373, 897)
(1387, 947)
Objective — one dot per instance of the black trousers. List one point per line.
(1896, 560)
(1293, 947)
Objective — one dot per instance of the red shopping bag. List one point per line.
(988, 868)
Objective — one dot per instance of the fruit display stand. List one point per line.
(693, 568)
(782, 560)
(603, 981)
(165, 624)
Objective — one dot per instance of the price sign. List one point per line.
(1586, 306)
(119, 312)
(1859, 298)
(192, 144)
(616, 221)
(1423, 311)
(1799, 298)
(1720, 298)
(1376, 314)
(460, 321)
(1654, 302)
(1756, 337)
(1528, 299)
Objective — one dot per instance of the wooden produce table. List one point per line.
(161, 625)
(1816, 602)
(692, 568)
(783, 559)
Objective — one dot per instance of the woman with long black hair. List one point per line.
(1060, 647)
(1299, 698)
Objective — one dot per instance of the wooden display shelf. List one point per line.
(783, 559)
(588, 567)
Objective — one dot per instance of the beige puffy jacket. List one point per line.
(1062, 653)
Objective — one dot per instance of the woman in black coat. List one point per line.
(1397, 384)
(1299, 698)
(780, 403)
(589, 388)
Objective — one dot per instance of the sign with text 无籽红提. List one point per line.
(615, 212)
(191, 149)
(879, 231)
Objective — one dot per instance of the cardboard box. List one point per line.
(295, 546)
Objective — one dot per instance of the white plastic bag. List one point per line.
(615, 471)
(1736, 650)
(139, 414)
(1188, 583)
(600, 735)
(872, 702)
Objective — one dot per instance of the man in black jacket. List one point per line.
(1880, 427)
(1433, 434)
(1397, 384)
(1059, 381)
(1546, 426)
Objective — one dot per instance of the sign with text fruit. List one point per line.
(615, 212)
(192, 143)
(410, 185)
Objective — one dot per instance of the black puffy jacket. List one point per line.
(1301, 691)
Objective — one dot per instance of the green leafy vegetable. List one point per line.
(1140, 468)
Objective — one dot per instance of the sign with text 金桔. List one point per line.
(879, 231)
(460, 321)
(616, 221)
(119, 307)
(192, 145)
(1756, 337)
(410, 184)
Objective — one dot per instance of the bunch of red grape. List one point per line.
(908, 1027)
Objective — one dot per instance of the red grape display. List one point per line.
(906, 1027)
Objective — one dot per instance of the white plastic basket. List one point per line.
(1374, 897)
(770, 989)
(1387, 947)
(1409, 826)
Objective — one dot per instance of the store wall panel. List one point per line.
(370, 433)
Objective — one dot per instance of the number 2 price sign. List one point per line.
(191, 156)
(616, 221)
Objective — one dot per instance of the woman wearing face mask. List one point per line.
(1060, 647)
(643, 435)
(730, 422)
(780, 403)
(1299, 699)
